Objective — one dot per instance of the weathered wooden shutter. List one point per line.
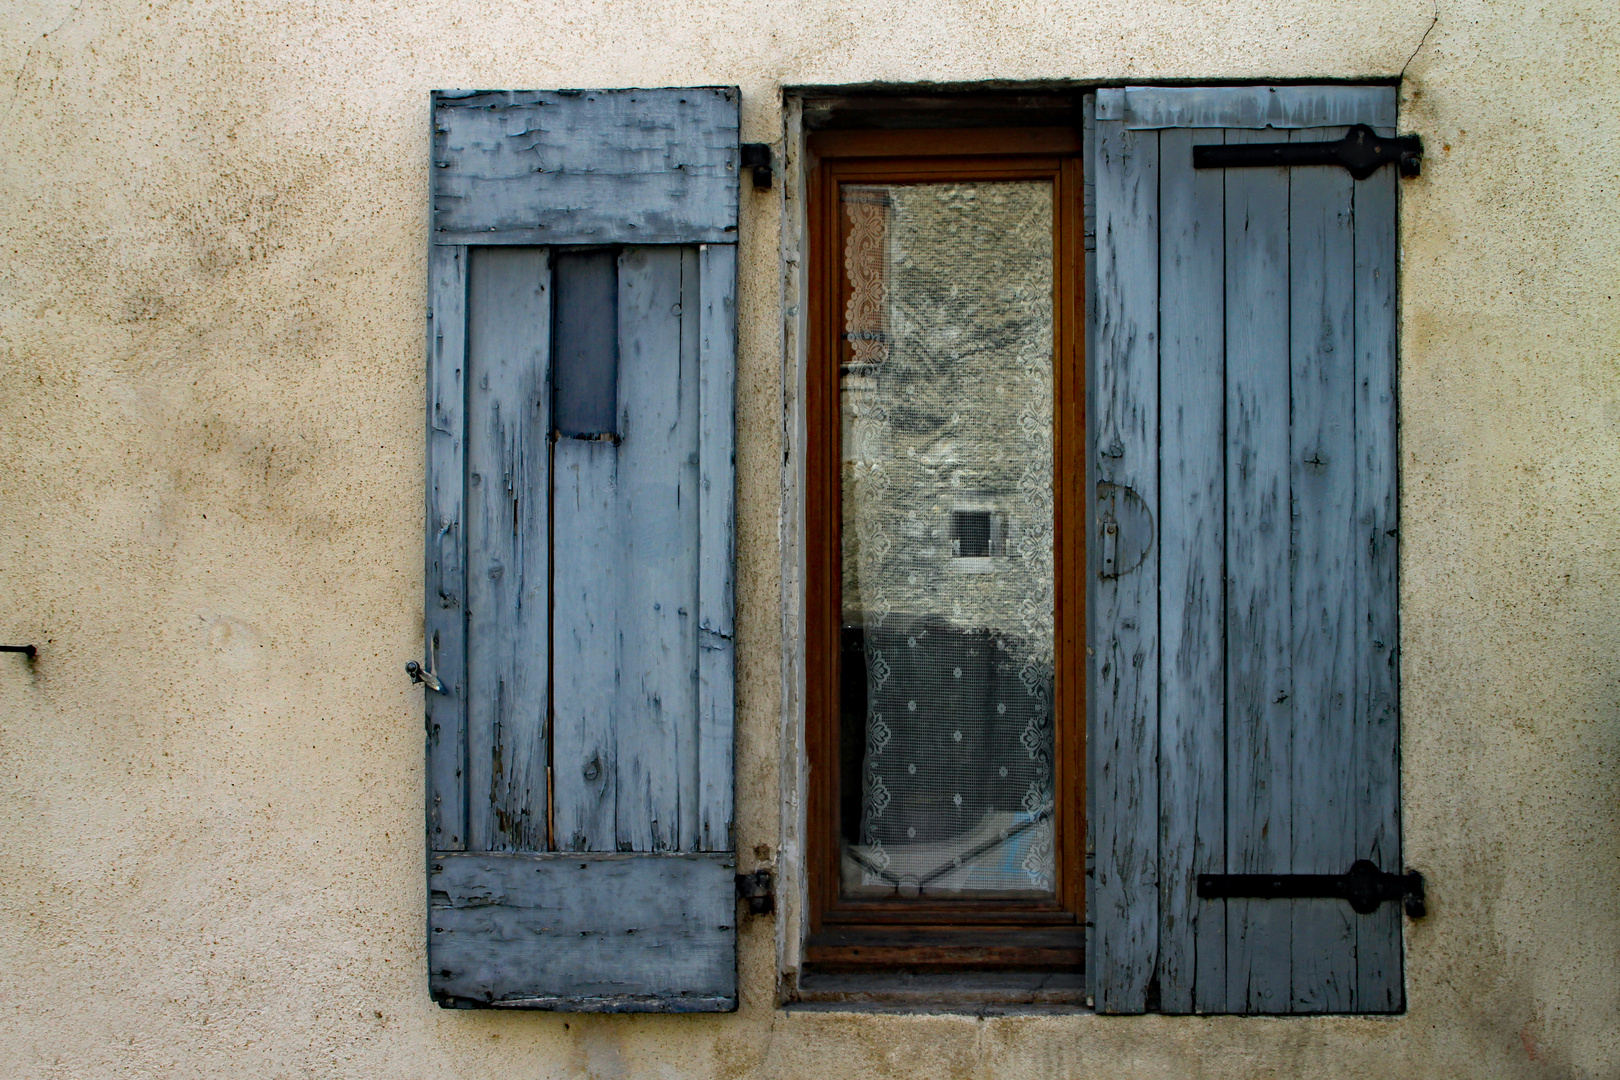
(1244, 553)
(581, 357)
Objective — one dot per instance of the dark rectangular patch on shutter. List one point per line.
(585, 343)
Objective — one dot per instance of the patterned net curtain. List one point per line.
(947, 402)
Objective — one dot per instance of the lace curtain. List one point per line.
(946, 397)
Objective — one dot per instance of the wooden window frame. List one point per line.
(847, 934)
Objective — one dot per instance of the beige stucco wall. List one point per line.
(212, 233)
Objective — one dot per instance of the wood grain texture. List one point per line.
(586, 580)
(574, 562)
(1073, 502)
(1192, 611)
(444, 577)
(1259, 679)
(1088, 215)
(508, 592)
(1277, 725)
(1323, 484)
(636, 768)
(1380, 985)
(655, 542)
(585, 167)
(587, 570)
(913, 946)
(992, 142)
(1123, 902)
(716, 656)
(1276, 107)
(603, 933)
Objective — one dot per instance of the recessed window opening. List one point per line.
(947, 772)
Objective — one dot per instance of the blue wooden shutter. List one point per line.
(1244, 600)
(581, 358)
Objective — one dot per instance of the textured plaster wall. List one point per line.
(213, 227)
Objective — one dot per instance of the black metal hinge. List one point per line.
(757, 156)
(1362, 151)
(759, 889)
(1365, 886)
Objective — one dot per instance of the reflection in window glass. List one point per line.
(946, 390)
(970, 534)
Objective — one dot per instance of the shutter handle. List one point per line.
(420, 674)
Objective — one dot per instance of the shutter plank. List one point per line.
(596, 933)
(717, 380)
(1192, 780)
(444, 625)
(587, 570)
(1380, 985)
(655, 539)
(508, 595)
(586, 581)
(1259, 709)
(1123, 900)
(1325, 585)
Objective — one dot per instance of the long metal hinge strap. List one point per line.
(1362, 151)
(1365, 887)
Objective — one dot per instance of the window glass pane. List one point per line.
(946, 389)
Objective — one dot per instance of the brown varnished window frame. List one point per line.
(852, 934)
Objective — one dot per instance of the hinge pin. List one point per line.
(759, 890)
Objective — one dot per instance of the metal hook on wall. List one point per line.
(420, 674)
